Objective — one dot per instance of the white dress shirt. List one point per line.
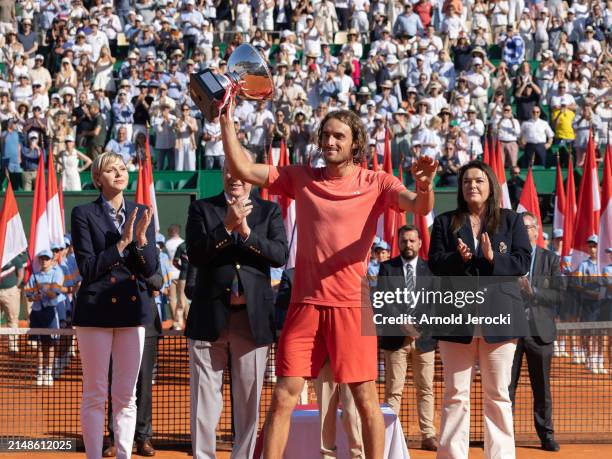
(536, 131)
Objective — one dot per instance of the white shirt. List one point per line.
(97, 41)
(536, 131)
(171, 246)
(509, 130)
(558, 100)
(213, 147)
(474, 132)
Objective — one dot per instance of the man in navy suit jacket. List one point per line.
(393, 275)
(232, 239)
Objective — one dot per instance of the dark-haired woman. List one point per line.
(480, 239)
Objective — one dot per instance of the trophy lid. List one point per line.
(252, 71)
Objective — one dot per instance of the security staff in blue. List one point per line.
(44, 290)
(114, 244)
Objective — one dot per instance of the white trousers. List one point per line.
(96, 346)
(495, 362)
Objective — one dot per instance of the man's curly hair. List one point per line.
(358, 131)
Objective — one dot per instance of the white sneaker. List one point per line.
(40, 377)
(13, 345)
(48, 377)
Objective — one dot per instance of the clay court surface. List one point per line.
(582, 407)
(567, 452)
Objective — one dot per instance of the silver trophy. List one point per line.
(248, 77)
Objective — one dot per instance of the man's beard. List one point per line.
(408, 254)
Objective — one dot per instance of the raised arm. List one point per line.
(238, 165)
(421, 202)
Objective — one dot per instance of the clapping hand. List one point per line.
(487, 248)
(237, 212)
(464, 251)
(142, 225)
(127, 236)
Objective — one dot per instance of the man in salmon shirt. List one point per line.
(337, 211)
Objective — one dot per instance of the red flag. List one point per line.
(569, 216)
(375, 166)
(287, 206)
(559, 199)
(145, 188)
(54, 213)
(485, 152)
(529, 203)
(39, 226)
(263, 192)
(498, 167)
(388, 224)
(400, 218)
(493, 155)
(589, 205)
(605, 224)
(141, 197)
(11, 224)
(60, 191)
(423, 222)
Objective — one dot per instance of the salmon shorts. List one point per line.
(312, 333)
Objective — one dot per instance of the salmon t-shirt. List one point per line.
(336, 223)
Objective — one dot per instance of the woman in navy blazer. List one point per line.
(114, 245)
(482, 240)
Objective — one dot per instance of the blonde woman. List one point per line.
(67, 75)
(104, 72)
(58, 128)
(114, 245)
(69, 162)
(185, 152)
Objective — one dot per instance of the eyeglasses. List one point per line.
(507, 109)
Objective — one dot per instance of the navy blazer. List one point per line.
(390, 278)
(219, 257)
(113, 291)
(547, 284)
(512, 257)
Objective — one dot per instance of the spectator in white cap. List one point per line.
(589, 46)
(110, 24)
(478, 82)
(96, 39)
(39, 73)
(31, 153)
(386, 101)
(40, 97)
(67, 75)
(557, 240)
(474, 128)
(68, 161)
(508, 130)
(436, 98)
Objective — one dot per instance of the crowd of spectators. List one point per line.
(80, 77)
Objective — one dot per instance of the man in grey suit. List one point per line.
(232, 239)
(540, 290)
